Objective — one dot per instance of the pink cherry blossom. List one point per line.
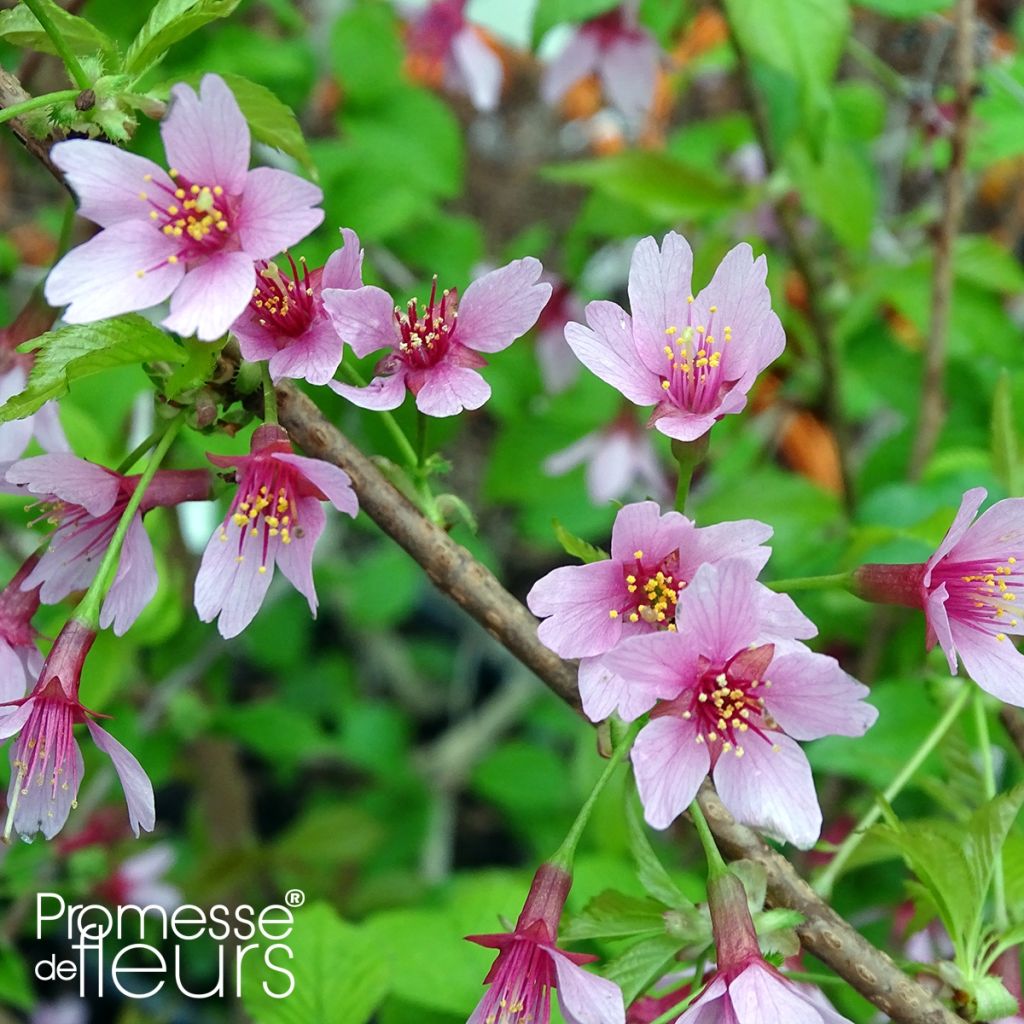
(693, 359)
(46, 764)
(20, 660)
(275, 519)
(85, 502)
(444, 45)
(559, 368)
(435, 348)
(192, 234)
(623, 54)
(286, 322)
(969, 591)
(734, 691)
(620, 461)
(745, 989)
(139, 880)
(530, 965)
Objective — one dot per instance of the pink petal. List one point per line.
(611, 471)
(606, 348)
(69, 478)
(718, 611)
(48, 430)
(314, 356)
(576, 61)
(770, 788)
(759, 994)
(206, 137)
(780, 618)
(295, 560)
(110, 183)
(134, 585)
(277, 210)
(502, 306)
(811, 696)
(641, 526)
(939, 625)
(41, 809)
(365, 317)
(578, 598)
(999, 532)
(585, 998)
(256, 342)
(669, 765)
(344, 267)
(659, 289)
(561, 462)
(16, 434)
(13, 719)
(212, 296)
(13, 679)
(637, 673)
(229, 584)
(138, 790)
(710, 1007)
(629, 72)
(449, 389)
(479, 67)
(100, 278)
(333, 482)
(742, 538)
(995, 665)
(71, 560)
(382, 393)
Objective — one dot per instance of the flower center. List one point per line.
(267, 508)
(426, 334)
(983, 591)
(522, 983)
(197, 216)
(281, 303)
(694, 379)
(651, 591)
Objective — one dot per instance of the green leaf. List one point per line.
(636, 969)
(339, 975)
(577, 546)
(1005, 447)
(657, 183)
(906, 8)
(81, 350)
(15, 983)
(18, 26)
(650, 872)
(366, 52)
(613, 913)
(169, 22)
(550, 13)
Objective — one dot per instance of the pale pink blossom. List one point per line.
(20, 660)
(46, 764)
(192, 234)
(734, 692)
(286, 323)
(140, 880)
(275, 519)
(85, 503)
(530, 965)
(620, 51)
(620, 462)
(693, 358)
(435, 349)
(439, 37)
(969, 591)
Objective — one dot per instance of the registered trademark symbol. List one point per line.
(295, 897)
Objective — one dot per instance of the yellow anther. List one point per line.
(671, 330)
(613, 614)
(665, 385)
(172, 259)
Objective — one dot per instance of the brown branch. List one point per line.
(933, 395)
(11, 92)
(455, 572)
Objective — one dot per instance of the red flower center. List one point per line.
(283, 304)
(983, 592)
(265, 503)
(695, 380)
(651, 591)
(426, 335)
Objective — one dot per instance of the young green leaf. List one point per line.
(650, 872)
(611, 914)
(577, 546)
(81, 350)
(18, 26)
(636, 969)
(169, 22)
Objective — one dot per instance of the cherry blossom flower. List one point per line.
(693, 359)
(530, 965)
(286, 322)
(745, 989)
(445, 48)
(735, 691)
(46, 764)
(85, 502)
(275, 519)
(620, 460)
(435, 349)
(968, 591)
(623, 54)
(559, 368)
(192, 234)
(20, 660)
(139, 880)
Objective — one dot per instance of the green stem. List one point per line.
(716, 863)
(269, 395)
(834, 581)
(565, 853)
(88, 610)
(689, 455)
(826, 880)
(421, 440)
(78, 75)
(140, 449)
(27, 106)
(989, 777)
(408, 452)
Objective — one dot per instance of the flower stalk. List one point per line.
(74, 68)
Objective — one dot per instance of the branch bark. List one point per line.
(933, 395)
